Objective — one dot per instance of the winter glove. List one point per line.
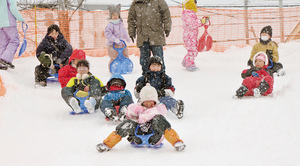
(139, 87)
(117, 41)
(169, 92)
(167, 32)
(204, 20)
(132, 38)
(254, 74)
(45, 59)
(161, 93)
(269, 53)
(250, 63)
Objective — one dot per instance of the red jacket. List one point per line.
(68, 71)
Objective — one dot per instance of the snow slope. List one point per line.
(36, 128)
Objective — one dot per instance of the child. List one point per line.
(258, 80)
(270, 48)
(190, 27)
(150, 22)
(84, 82)
(9, 36)
(114, 32)
(69, 71)
(148, 114)
(163, 84)
(116, 96)
(54, 49)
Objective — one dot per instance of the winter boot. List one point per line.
(111, 114)
(109, 142)
(90, 105)
(122, 113)
(172, 137)
(74, 104)
(241, 91)
(40, 84)
(183, 63)
(7, 64)
(263, 87)
(3, 67)
(179, 108)
(280, 72)
(192, 67)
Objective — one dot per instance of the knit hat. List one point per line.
(148, 92)
(190, 5)
(155, 59)
(114, 9)
(267, 29)
(263, 56)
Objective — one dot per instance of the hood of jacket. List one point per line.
(77, 54)
(190, 5)
(115, 76)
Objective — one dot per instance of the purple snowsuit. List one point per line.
(9, 36)
(190, 33)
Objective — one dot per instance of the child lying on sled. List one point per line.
(149, 115)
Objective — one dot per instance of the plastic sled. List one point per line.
(121, 65)
(53, 77)
(81, 105)
(144, 138)
(205, 42)
(24, 44)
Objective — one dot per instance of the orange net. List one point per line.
(2, 88)
(229, 27)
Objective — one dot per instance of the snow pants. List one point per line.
(113, 54)
(190, 41)
(9, 43)
(158, 124)
(145, 55)
(254, 82)
(169, 102)
(42, 73)
(123, 101)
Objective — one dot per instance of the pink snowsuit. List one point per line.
(190, 33)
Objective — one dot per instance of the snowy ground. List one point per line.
(36, 128)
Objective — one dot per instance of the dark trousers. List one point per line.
(145, 55)
(42, 73)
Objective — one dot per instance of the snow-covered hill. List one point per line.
(36, 128)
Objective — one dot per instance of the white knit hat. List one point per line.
(148, 92)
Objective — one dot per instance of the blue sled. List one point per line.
(145, 138)
(121, 65)
(53, 77)
(82, 106)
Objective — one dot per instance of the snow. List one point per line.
(37, 129)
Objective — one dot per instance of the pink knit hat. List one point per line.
(261, 57)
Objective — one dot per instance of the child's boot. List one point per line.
(122, 113)
(109, 142)
(241, 91)
(111, 114)
(90, 104)
(74, 104)
(179, 109)
(172, 137)
(263, 87)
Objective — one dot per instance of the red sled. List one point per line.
(205, 42)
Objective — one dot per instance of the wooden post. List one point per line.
(281, 22)
(246, 21)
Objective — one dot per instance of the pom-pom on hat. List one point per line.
(148, 92)
(114, 9)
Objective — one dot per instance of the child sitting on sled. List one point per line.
(270, 48)
(114, 32)
(149, 115)
(84, 85)
(190, 25)
(258, 80)
(162, 83)
(117, 95)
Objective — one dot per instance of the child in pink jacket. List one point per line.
(147, 117)
(190, 27)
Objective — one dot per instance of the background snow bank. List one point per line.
(36, 128)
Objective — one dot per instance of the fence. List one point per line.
(230, 27)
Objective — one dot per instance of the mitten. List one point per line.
(117, 41)
(250, 63)
(269, 53)
(254, 74)
(45, 59)
(167, 32)
(139, 87)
